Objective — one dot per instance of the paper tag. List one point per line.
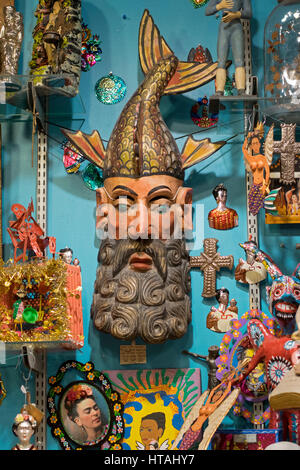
(249, 438)
(133, 354)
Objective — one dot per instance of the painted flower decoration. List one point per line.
(21, 417)
(78, 392)
(90, 49)
(117, 407)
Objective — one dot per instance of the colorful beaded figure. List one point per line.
(279, 355)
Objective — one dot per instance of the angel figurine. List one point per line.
(258, 165)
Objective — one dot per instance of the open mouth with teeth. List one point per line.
(285, 310)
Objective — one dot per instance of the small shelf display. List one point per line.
(40, 297)
(40, 93)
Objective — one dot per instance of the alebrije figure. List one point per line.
(230, 35)
(283, 295)
(278, 354)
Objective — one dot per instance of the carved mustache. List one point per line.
(153, 248)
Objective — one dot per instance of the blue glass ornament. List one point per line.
(110, 89)
(92, 177)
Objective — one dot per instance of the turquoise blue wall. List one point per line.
(71, 206)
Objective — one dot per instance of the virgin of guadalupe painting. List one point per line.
(156, 403)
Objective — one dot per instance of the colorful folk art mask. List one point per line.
(284, 294)
(142, 286)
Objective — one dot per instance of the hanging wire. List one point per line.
(26, 379)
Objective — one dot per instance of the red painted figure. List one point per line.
(26, 233)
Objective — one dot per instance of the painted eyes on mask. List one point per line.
(125, 205)
(296, 291)
(278, 291)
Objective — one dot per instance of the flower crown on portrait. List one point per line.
(78, 392)
(21, 417)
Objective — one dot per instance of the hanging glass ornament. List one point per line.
(110, 89)
(282, 62)
(92, 177)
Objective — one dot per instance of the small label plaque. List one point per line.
(133, 354)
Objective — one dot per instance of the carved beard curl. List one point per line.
(153, 305)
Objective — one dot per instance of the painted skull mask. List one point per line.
(284, 299)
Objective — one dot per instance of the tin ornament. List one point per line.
(72, 160)
(110, 89)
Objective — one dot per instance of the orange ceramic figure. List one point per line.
(222, 217)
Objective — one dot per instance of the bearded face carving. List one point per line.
(153, 304)
(143, 282)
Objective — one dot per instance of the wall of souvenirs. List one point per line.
(150, 198)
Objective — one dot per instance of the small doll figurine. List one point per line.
(66, 254)
(18, 306)
(24, 426)
(219, 319)
(230, 34)
(222, 217)
(259, 165)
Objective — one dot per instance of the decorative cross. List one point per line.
(210, 261)
(288, 149)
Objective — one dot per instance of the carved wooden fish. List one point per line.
(141, 143)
